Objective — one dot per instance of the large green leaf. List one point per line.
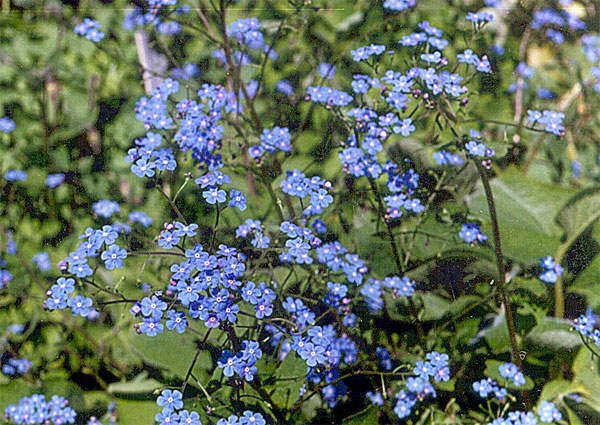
(141, 384)
(173, 352)
(137, 412)
(526, 214)
(554, 333)
(290, 377)
(586, 283)
(580, 211)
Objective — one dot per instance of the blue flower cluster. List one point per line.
(365, 52)
(471, 233)
(488, 386)
(5, 275)
(16, 366)
(105, 208)
(547, 413)
(7, 125)
(399, 5)
(155, 16)
(552, 121)
(444, 157)
(35, 410)
(243, 362)
(247, 32)
(585, 325)
(591, 49)
(552, 270)
(90, 29)
(58, 298)
(173, 413)
(480, 18)
(512, 372)
(556, 23)
(331, 97)
(301, 241)
(297, 184)
(272, 141)
(15, 175)
(320, 346)
(478, 149)
(419, 386)
(395, 286)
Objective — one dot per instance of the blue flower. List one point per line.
(7, 125)
(189, 418)
(153, 307)
(167, 239)
(511, 371)
(42, 259)
(113, 257)
(188, 230)
(285, 87)
(170, 400)
(213, 195)
(405, 128)
(80, 305)
(548, 412)
(140, 217)
(237, 199)
(326, 70)
(151, 327)
(471, 233)
(54, 180)
(363, 53)
(167, 417)
(15, 175)
(143, 168)
(90, 29)
(105, 208)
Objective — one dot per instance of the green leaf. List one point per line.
(289, 378)
(526, 214)
(559, 388)
(12, 392)
(573, 418)
(586, 283)
(554, 333)
(141, 384)
(587, 374)
(171, 351)
(434, 306)
(137, 412)
(462, 303)
(368, 416)
(575, 216)
(496, 335)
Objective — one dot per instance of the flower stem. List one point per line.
(500, 263)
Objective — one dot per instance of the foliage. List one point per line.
(296, 211)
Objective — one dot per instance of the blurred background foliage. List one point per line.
(73, 103)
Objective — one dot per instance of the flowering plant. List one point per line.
(390, 231)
